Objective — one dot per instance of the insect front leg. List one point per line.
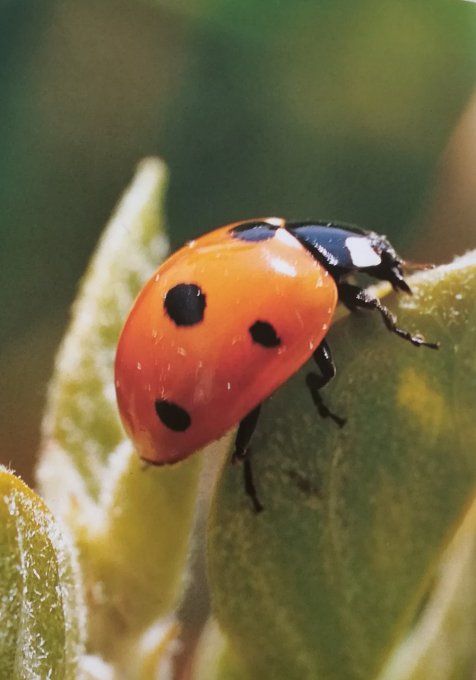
(242, 454)
(325, 363)
(356, 298)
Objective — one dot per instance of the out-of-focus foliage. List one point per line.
(41, 631)
(326, 580)
(450, 221)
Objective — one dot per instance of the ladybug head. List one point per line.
(391, 265)
(344, 249)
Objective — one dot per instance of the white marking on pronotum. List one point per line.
(275, 221)
(361, 252)
(287, 238)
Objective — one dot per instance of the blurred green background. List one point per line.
(288, 107)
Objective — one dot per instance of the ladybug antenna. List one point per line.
(417, 266)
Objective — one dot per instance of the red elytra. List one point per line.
(216, 330)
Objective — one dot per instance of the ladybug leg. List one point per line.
(245, 431)
(357, 298)
(250, 488)
(242, 453)
(325, 363)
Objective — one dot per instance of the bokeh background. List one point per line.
(355, 110)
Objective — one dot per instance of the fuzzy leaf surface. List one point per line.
(41, 633)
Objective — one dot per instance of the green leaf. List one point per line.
(40, 604)
(326, 581)
(131, 525)
(81, 418)
(441, 644)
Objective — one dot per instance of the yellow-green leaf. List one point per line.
(131, 524)
(41, 612)
(81, 418)
(325, 582)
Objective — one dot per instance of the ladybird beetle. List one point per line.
(230, 317)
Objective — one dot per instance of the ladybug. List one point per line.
(230, 317)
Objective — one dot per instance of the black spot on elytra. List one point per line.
(185, 304)
(254, 231)
(173, 416)
(264, 334)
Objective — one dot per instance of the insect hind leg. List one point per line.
(242, 453)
